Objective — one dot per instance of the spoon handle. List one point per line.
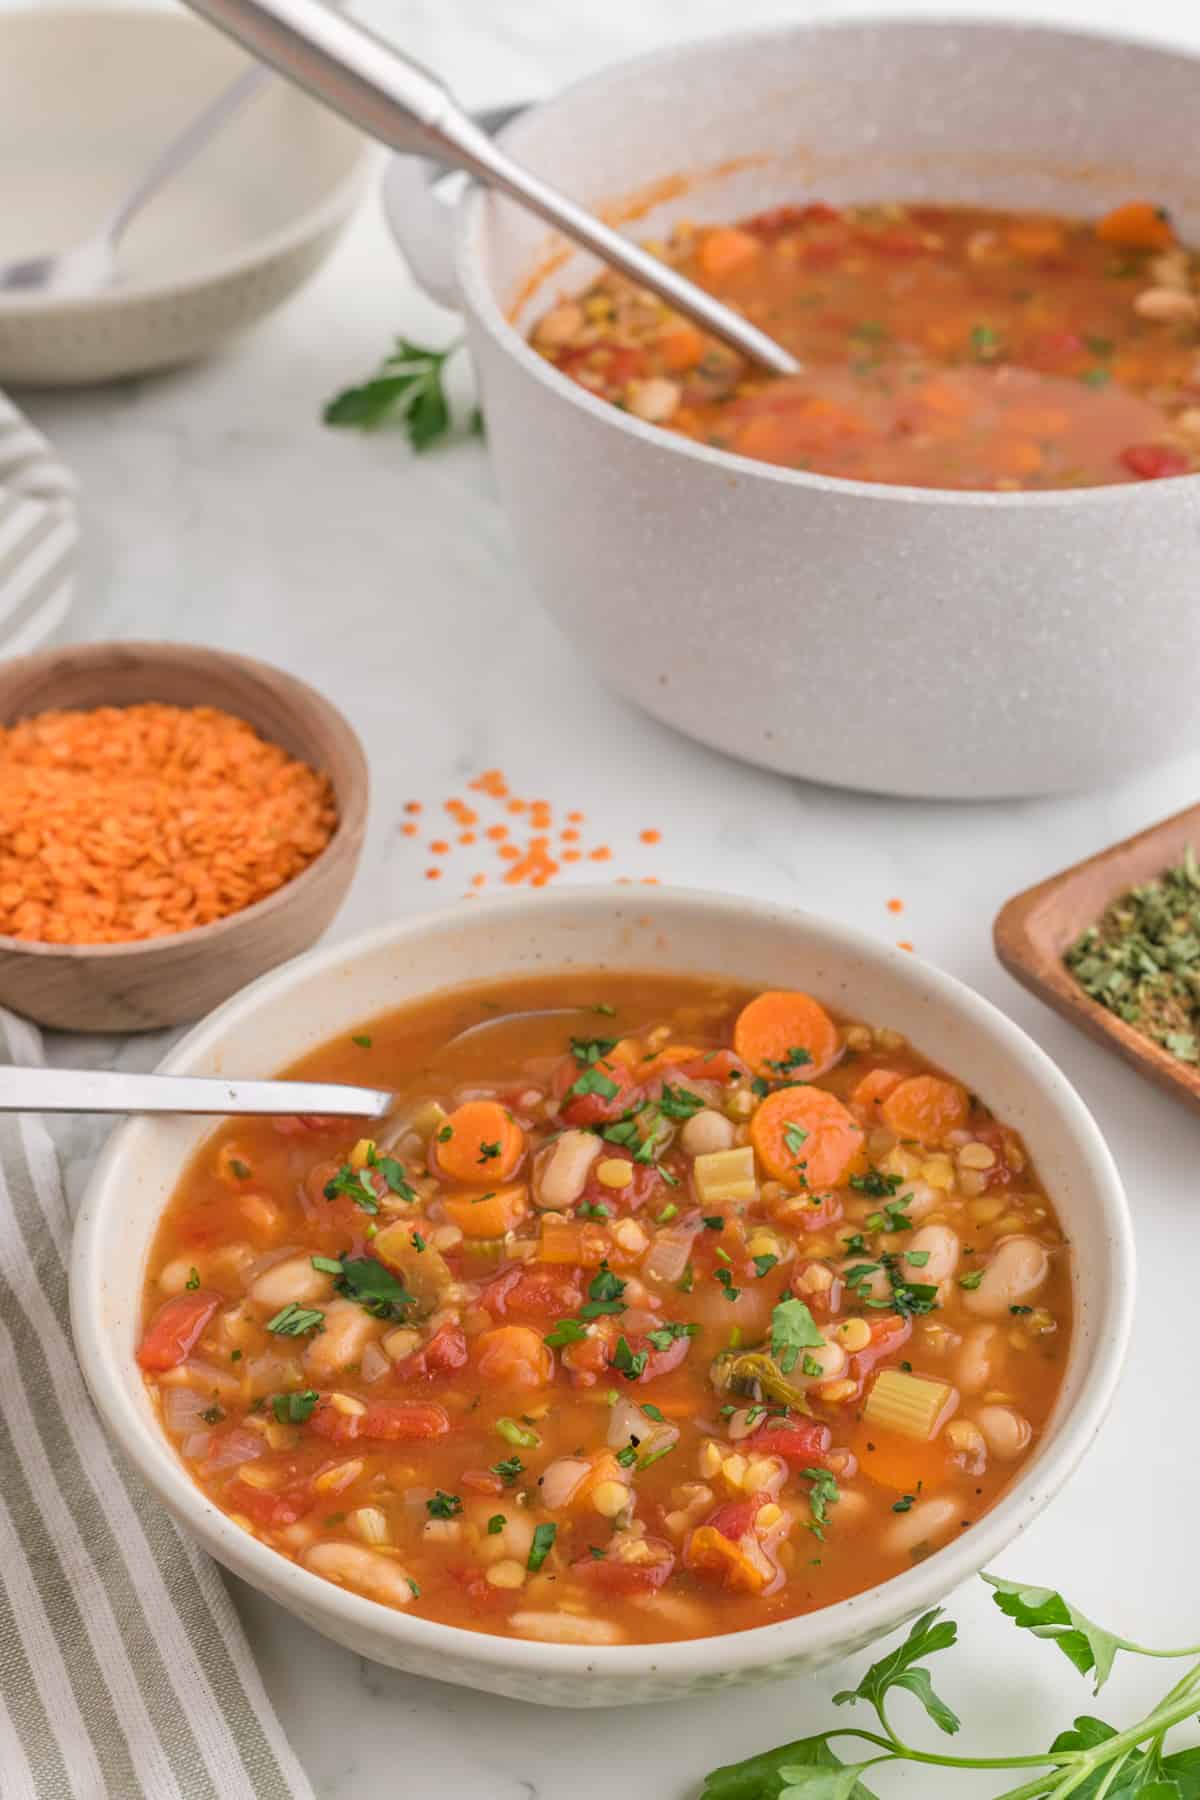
(113, 1091)
(392, 98)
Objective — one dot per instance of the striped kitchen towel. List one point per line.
(38, 535)
(124, 1673)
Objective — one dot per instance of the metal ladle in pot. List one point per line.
(395, 100)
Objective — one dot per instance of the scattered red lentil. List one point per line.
(895, 906)
(572, 856)
(569, 835)
(576, 818)
(496, 832)
(650, 837)
(413, 806)
(433, 874)
(409, 829)
(466, 837)
(903, 944)
(439, 846)
(601, 853)
(135, 822)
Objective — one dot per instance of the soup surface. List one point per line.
(942, 346)
(670, 1310)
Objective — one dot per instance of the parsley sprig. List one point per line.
(1089, 1759)
(408, 385)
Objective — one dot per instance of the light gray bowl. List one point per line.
(898, 639)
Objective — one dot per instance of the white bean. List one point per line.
(566, 1628)
(560, 1172)
(706, 1132)
(831, 1358)
(173, 1279)
(938, 1246)
(348, 1331)
(1165, 305)
(655, 400)
(918, 1198)
(514, 1539)
(1006, 1432)
(928, 1522)
(1016, 1270)
(350, 1565)
(292, 1279)
(559, 326)
(975, 1359)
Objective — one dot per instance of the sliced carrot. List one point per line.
(562, 1242)
(926, 1107)
(1036, 237)
(898, 1462)
(680, 348)
(873, 1090)
(513, 1356)
(480, 1143)
(1138, 225)
(805, 1137)
(786, 1035)
(671, 1056)
(710, 1551)
(727, 251)
(489, 1215)
(626, 1053)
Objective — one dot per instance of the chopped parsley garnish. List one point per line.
(630, 1363)
(293, 1321)
(856, 1245)
(971, 1279)
(714, 1222)
(823, 1493)
(892, 1218)
(241, 1170)
(443, 1506)
(687, 1280)
(496, 1524)
(193, 1281)
(726, 1281)
(593, 1081)
(417, 1241)
(512, 1433)
(795, 1137)
(875, 1183)
(594, 1209)
(628, 1456)
(294, 1409)
(445, 1134)
(415, 1586)
(908, 1297)
(328, 1265)
(917, 1258)
(543, 1542)
(488, 1152)
(587, 1051)
(604, 1009)
(811, 1367)
(794, 1058)
(764, 1264)
(653, 1412)
(374, 1287)
(792, 1330)
(985, 343)
(363, 1039)
(650, 1457)
(604, 1294)
(669, 1211)
(1141, 960)
(904, 1504)
(760, 1087)
(567, 1331)
(679, 1103)
(1018, 1310)
(212, 1415)
(663, 1336)
(508, 1469)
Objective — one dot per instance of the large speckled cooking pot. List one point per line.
(915, 642)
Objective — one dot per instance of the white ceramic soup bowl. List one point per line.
(914, 642)
(328, 992)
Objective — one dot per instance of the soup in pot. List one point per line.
(941, 346)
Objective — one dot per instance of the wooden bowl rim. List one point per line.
(352, 806)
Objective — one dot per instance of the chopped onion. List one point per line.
(561, 1478)
(195, 1445)
(235, 1447)
(182, 1407)
(374, 1363)
(639, 1318)
(668, 1255)
(626, 1420)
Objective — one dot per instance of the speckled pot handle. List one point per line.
(420, 211)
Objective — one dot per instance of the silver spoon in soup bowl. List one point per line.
(400, 103)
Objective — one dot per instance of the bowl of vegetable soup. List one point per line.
(944, 558)
(723, 1289)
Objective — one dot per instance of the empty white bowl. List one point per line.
(88, 96)
(326, 993)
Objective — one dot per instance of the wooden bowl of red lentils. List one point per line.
(174, 821)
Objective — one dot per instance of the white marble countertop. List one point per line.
(216, 508)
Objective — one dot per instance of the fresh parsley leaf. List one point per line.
(374, 1287)
(762, 1777)
(679, 1103)
(496, 1524)
(764, 1264)
(443, 1506)
(193, 1281)
(792, 1330)
(594, 1209)
(488, 1152)
(628, 1456)
(971, 1279)
(363, 1039)
(294, 1409)
(567, 1331)
(811, 1367)
(823, 1493)
(726, 1281)
(630, 1363)
(350, 1182)
(508, 1469)
(408, 385)
(653, 1412)
(328, 1265)
(663, 1336)
(892, 1218)
(930, 1633)
(242, 1170)
(1045, 1613)
(875, 1183)
(293, 1321)
(593, 1081)
(795, 1137)
(602, 1007)
(587, 1051)
(543, 1542)
(917, 1258)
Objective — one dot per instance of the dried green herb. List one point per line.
(1142, 959)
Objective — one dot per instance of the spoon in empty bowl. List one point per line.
(90, 266)
(395, 100)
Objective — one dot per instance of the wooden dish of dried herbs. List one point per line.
(1114, 945)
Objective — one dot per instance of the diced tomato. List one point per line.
(822, 1211)
(1150, 462)
(800, 1442)
(406, 1422)
(658, 1362)
(636, 1567)
(445, 1352)
(533, 1291)
(175, 1328)
(887, 1335)
(996, 1138)
(271, 1507)
(481, 1481)
(714, 1065)
(475, 1585)
(608, 365)
(586, 1361)
(778, 219)
(821, 1301)
(594, 1108)
(736, 1517)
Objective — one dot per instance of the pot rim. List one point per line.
(824, 1634)
(482, 305)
